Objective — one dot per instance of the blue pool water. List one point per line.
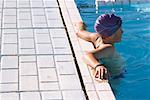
(134, 48)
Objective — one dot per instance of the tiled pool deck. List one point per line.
(38, 60)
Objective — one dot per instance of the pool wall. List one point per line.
(93, 89)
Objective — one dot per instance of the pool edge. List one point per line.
(94, 90)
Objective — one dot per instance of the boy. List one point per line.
(108, 32)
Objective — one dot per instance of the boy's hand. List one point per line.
(80, 26)
(101, 73)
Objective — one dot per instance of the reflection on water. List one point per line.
(134, 48)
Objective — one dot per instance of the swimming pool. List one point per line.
(134, 48)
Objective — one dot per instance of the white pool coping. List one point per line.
(36, 59)
(94, 90)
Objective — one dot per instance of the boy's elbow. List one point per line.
(87, 53)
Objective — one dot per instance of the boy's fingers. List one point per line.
(105, 74)
(101, 73)
(105, 71)
(97, 74)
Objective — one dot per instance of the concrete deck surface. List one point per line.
(37, 60)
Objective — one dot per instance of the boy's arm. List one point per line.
(82, 33)
(85, 35)
(90, 58)
(104, 51)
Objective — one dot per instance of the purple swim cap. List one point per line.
(107, 24)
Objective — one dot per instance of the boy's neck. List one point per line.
(108, 42)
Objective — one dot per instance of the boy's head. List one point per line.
(107, 25)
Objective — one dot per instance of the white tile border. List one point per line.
(71, 15)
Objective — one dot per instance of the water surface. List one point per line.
(134, 48)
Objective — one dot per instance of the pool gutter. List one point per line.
(93, 89)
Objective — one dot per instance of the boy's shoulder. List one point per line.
(94, 36)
